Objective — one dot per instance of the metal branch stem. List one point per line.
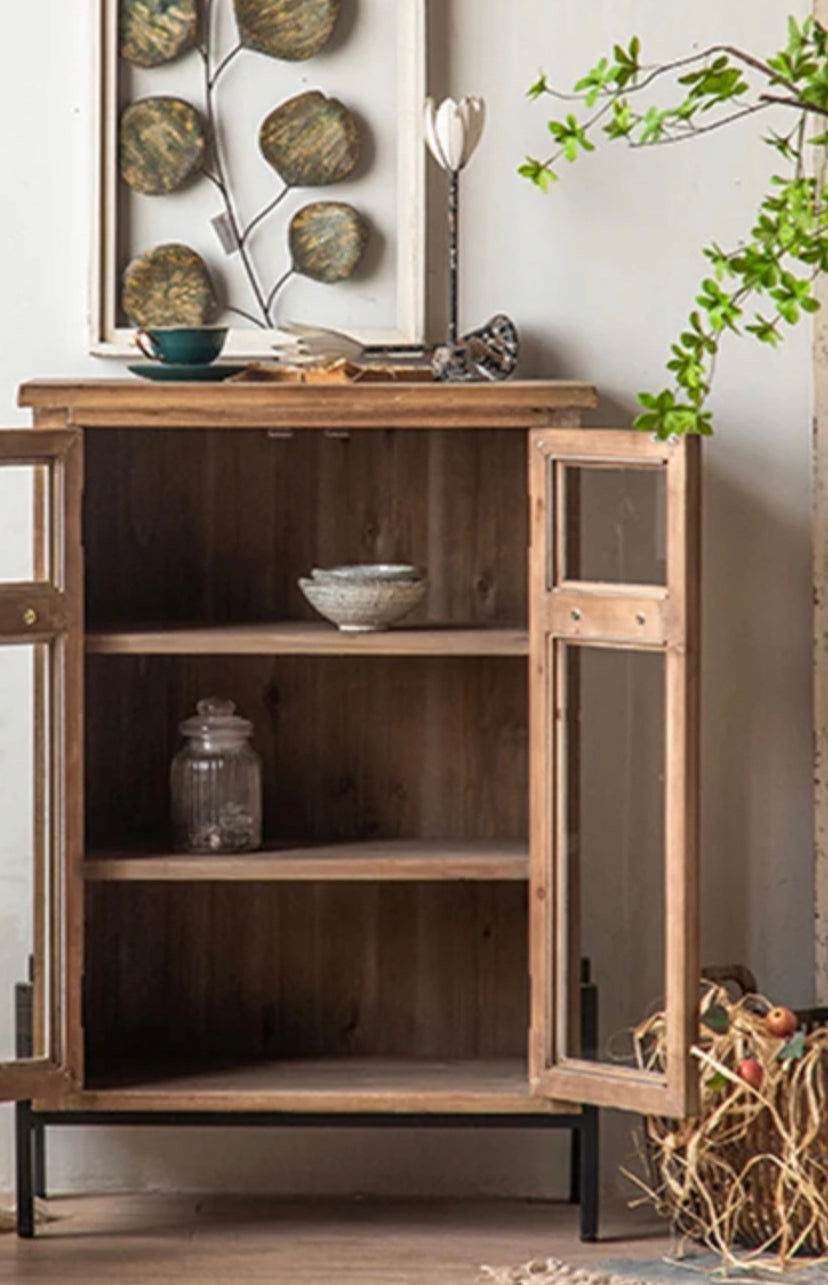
(225, 63)
(454, 252)
(220, 176)
(248, 316)
(268, 209)
(283, 280)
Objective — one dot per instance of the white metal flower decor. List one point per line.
(453, 131)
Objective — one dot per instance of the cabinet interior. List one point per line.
(190, 529)
(180, 973)
(187, 526)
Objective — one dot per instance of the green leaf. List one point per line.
(538, 173)
(717, 1081)
(794, 1049)
(716, 1019)
(782, 145)
(653, 126)
(540, 87)
(765, 331)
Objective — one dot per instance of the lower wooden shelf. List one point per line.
(399, 859)
(402, 1085)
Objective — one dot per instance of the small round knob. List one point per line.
(30, 616)
(640, 618)
(575, 613)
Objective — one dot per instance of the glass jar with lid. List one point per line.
(216, 782)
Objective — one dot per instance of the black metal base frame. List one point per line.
(583, 1164)
(31, 1142)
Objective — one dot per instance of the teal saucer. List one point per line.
(165, 372)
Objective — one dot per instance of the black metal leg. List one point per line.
(575, 1166)
(584, 1170)
(39, 1159)
(589, 1174)
(25, 1170)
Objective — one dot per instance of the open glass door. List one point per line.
(40, 761)
(614, 624)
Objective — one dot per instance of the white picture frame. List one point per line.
(109, 339)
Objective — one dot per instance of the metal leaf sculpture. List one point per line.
(289, 29)
(327, 240)
(152, 32)
(161, 144)
(169, 285)
(310, 140)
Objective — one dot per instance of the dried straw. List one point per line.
(749, 1176)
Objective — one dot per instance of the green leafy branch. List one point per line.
(787, 248)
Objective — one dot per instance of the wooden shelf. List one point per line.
(398, 860)
(301, 639)
(409, 1085)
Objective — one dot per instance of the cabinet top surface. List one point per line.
(121, 402)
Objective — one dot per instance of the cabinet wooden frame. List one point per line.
(665, 619)
(108, 339)
(46, 611)
(547, 416)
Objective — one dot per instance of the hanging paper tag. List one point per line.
(224, 231)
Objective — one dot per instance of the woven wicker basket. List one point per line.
(729, 1178)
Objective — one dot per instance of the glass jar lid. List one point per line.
(216, 717)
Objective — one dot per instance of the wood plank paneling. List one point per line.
(241, 971)
(216, 528)
(355, 749)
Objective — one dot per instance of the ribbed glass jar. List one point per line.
(216, 782)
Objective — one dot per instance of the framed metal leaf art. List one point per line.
(261, 162)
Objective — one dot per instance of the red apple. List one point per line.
(751, 1072)
(781, 1022)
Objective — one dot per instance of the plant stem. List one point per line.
(801, 104)
(220, 177)
(698, 130)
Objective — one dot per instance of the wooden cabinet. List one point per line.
(409, 938)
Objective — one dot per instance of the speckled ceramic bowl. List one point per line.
(363, 605)
(361, 572)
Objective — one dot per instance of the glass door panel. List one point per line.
(28, 877)
(40, 679)
(612, 837)
(614, 529)
(614, 736)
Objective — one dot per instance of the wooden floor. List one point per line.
(158, 1240)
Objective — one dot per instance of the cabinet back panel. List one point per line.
(353, 748)
(212, 527)
(191, 971)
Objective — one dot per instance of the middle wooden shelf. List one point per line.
(303, 639)
(413, 860)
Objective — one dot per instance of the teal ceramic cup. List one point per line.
(182, 345)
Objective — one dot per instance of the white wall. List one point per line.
(599, 275)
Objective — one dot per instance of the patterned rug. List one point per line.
(696, 1269)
